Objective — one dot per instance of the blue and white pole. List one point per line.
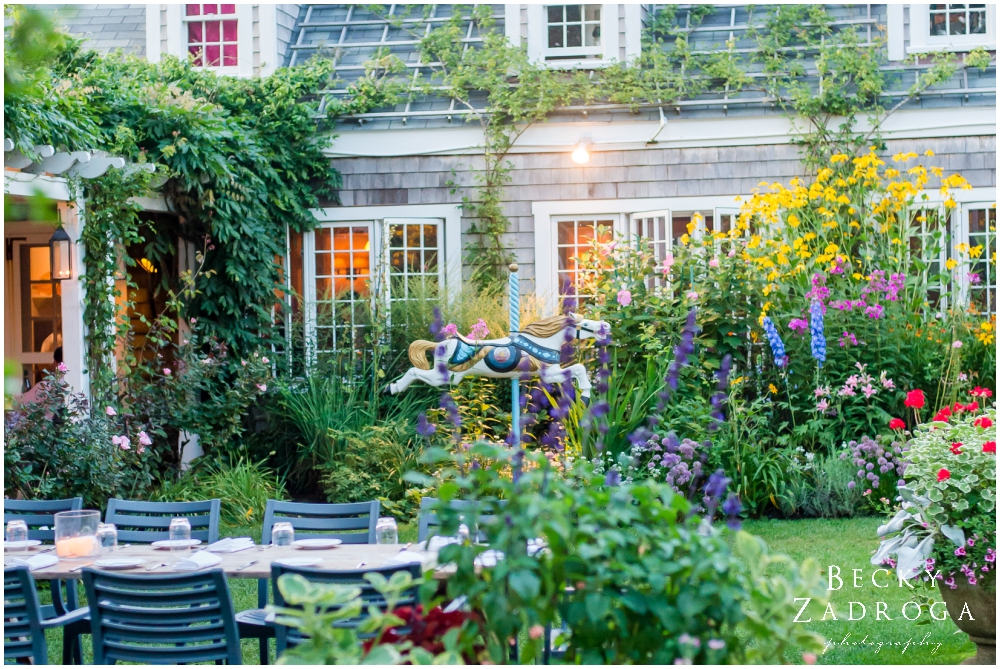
(514, 291)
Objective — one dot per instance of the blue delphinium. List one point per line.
(816, 330)
(777, 346)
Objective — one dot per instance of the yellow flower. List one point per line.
(976, 251)
(950, 263)
(249, 514)
(793, 220)
(838, 158)
(929, 153)
(773, 388)
(738, 380)
(685, 239)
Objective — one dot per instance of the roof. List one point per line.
(351, 35)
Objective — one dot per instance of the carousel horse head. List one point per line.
(586, 328)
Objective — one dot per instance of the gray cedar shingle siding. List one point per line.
(104, 28)
(646, 173)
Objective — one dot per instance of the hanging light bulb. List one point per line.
(60, 246)
(580, 155)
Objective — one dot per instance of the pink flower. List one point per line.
(480, 330)
(846, 391)
(809, 658)
(62, 367)
(822, 405)
(166, 371)
(714, 262)
(732, 253)
(973, 278)
(243, 362)
(122, 442)
(624, 297)
(798, 325)
(450, 330)
(668, 262)
(110, 411)
(822, 391)
(886, 382)
(957, 343)
(869, 391)
(265, 360)
(144, 439)
(262, 387)
(536, 632)
(142, 449)
(693, 295)
(194, 321)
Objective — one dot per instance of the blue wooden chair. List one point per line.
(166, 619)
(146, 522)
(351, 523)
(429, 519)
(288, 637)
(23, 624)
(38, 514)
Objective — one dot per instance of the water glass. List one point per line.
(282, 534)
(17, 530)
(180, 534)
(107, 537)
(386, 531)
(463, 534)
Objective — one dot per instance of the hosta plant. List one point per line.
(946, 527)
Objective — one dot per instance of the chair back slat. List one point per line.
(38, 513)
(146, 522)
(288, 637)
(166, 619)
(327, 521)
(429, 519)
(23, 637)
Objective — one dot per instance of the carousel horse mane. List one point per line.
(545, 327)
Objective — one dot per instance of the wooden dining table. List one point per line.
(235, 565)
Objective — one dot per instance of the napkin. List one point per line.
(436, 543)
(34, 562)
(199, 560)
(408, 557)
(231, 545)
(489, 558)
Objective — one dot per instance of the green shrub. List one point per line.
(243, 486)
(823, 491)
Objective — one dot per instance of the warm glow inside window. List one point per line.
(575, 248)
(211, 35)
(414, 253)
(343, 284)
(950, 19)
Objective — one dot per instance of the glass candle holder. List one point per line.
(282, 534)
(76, 534)
(386, 531)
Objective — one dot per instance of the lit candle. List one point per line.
(77, 547)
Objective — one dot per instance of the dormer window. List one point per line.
(573, 31)
(957, 20)
(212, 35)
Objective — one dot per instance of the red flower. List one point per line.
(958, 407)
(972, 406)
(983, 422)
(915, 399)
(896, 424)
(981, 392)
(943, 474)
(943, 414)
(956, 448)
(990, 447)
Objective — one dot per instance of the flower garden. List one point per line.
(777, 408)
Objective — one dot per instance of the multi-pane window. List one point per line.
(573, 30)
(574, 248)
(211, 35)
(952, 19)
(41, 311)
(343, 283)
(981, 278)
(414, 251)
(931, 231)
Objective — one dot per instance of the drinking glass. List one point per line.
(463, 533)
(76, 534)
(386, 531)
(107, 537)
(17, 530)
(282, 534)
(180, 535)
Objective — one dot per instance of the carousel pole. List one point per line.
(514, 292)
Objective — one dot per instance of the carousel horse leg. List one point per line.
(431, 377)
(579, 372)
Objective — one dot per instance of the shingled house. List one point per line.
(649, 172)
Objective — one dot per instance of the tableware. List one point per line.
(167, 544)
(360, 565)
(119, 563)
(198, 560)
(107, 537)
(32, 562)
(81, 566)
(76, 534)
(22, 545)
(124, 546)
(316, 544)
(231, 545)
(282, 534)
(299, 561)
(180, 532)
(248, 564)
(264, 547)
(17, 536)
(386, 531)
(156, 566)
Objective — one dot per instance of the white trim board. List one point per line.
(636, 135)
(450, 213)
(28, 184)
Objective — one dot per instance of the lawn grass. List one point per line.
(845, 543)
(848, 544)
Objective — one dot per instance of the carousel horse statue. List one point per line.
(538, 343)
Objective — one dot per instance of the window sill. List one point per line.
(578, 63)
(953, 46)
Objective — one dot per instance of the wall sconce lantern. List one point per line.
(60, 247)
(580, 155)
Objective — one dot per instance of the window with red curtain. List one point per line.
(211, 35)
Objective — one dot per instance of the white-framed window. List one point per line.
(210, 31)
(947, 27)
(359, 261)
(565, 229)
(580, 35)
(218, 37)
(979, 225)
(930, 241)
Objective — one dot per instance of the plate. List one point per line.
(167, 544)
(20, 545)
(298, 561)
(119, 563)
(316, 544)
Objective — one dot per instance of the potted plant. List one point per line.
(945, 530)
